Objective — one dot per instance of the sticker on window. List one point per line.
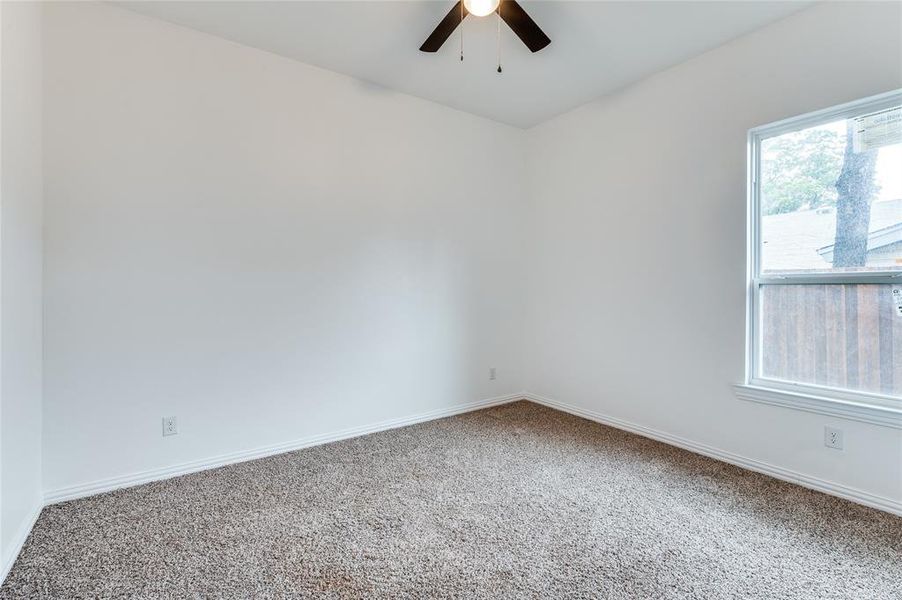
(882, 128)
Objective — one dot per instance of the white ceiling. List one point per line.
(596, 48)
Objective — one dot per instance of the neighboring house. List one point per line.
(804, 240)
(884, 248)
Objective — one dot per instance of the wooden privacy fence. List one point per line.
(837, 335)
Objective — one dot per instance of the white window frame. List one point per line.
(861, 406)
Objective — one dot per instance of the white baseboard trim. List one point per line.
(115, 483)
(821, 485)
(19, 541)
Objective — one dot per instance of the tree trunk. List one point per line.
(853, 205)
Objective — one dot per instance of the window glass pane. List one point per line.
(841, 335)
(831, 197)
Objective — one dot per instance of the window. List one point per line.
(825, 261)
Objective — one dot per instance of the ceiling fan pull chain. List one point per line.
(461, 31)
(499, 35)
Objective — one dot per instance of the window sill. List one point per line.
(847, 409)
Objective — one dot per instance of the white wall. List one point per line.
(265, 249)
(271, 251)
(20, 273)
(637, 286)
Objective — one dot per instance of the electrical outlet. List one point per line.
(170, 426)
(492, 373)
(833, 438)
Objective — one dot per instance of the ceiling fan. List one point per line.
(509, 11)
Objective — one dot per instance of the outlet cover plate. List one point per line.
(170, 426)
(833, 438)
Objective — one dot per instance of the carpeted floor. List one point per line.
(517, 501)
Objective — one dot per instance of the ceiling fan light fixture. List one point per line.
(511, 13)
(481, 8)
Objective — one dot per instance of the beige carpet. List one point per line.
(517, 501)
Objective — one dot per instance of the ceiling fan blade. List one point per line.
(523, 25)
(445, 29)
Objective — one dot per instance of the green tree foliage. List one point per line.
(800, 170)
